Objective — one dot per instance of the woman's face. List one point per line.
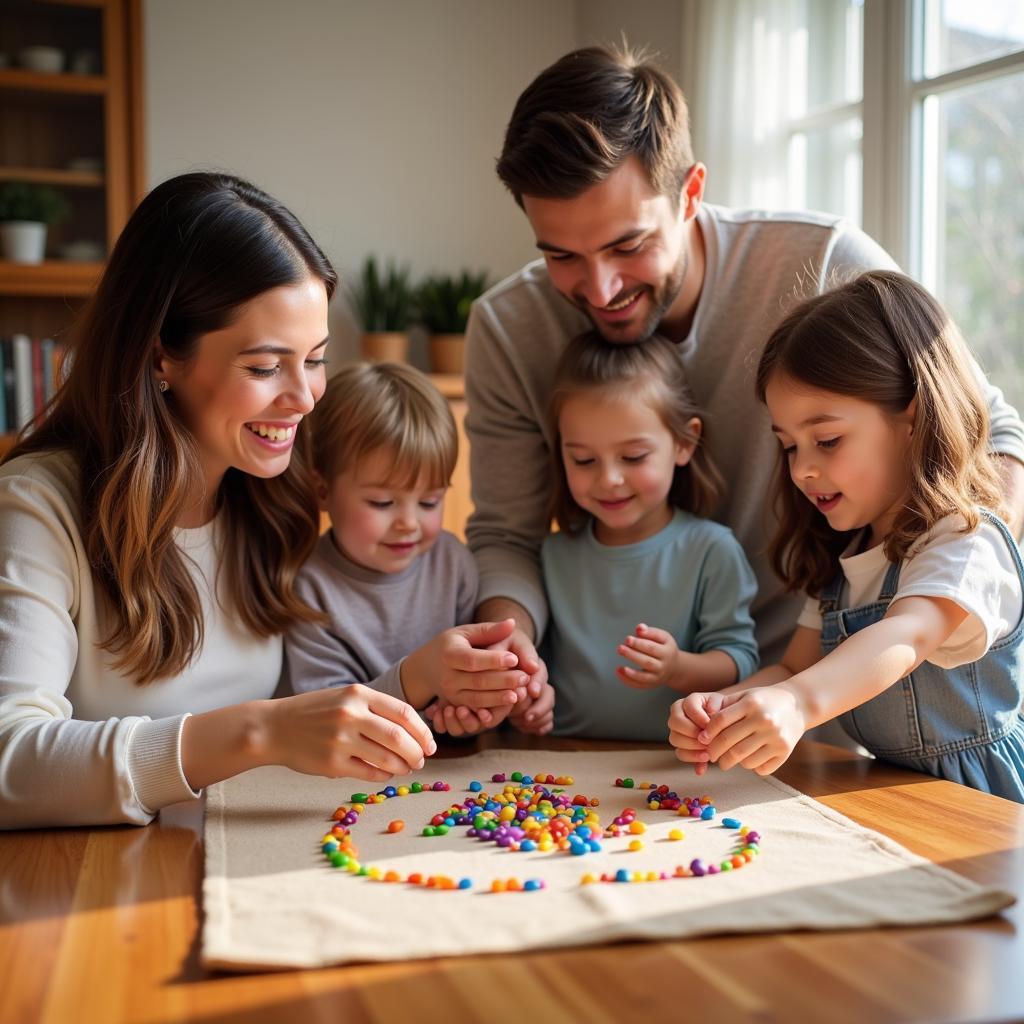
(249, 384)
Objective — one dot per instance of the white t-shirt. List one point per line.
(80, 742)
(975, 570)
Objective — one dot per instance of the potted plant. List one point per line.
(442, 305)
(383, 305)
(26, 210)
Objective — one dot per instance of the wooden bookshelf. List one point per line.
(49, 123)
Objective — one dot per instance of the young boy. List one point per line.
(389, 579)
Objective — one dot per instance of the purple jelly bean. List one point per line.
(698, 868)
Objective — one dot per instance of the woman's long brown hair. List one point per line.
(198, 247)
(883, 339)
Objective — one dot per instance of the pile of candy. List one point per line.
(529, 816)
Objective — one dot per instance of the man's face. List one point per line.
(618, 251)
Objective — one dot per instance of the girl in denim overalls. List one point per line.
(888, 500)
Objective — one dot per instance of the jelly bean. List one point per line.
(622, 875)
(675, 835)
(396, 826)
(627, 783)
(731, 823)
(465, 883)
(359, 798)
(417, 787)
(475, 787)
(429, 830)
(636, 844)
(698, 868)
(637, 827)
(587, 879)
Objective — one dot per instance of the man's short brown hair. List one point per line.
(585, 115)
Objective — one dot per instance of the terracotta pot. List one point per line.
(447, 353)
(385, 346)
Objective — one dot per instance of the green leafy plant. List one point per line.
(442, 302)
(383, 300)
(21, 200)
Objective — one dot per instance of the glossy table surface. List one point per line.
(103, 925)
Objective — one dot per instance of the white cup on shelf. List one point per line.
(49, 59)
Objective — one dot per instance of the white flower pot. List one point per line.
(23, 241)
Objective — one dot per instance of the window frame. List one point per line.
(895, 182)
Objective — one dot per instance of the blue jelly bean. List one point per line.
(531, 885)
(390, 791)
(622, 875)
(465, 883)
(527, 846)
(732, 823)
(708, 813)
(594, 846)
(475, 787)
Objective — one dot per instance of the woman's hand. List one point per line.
(654, 654)
(346, 731)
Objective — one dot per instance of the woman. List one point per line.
(151, 529)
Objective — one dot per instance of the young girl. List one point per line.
(390, 582)
(632, 481)
(888, 502)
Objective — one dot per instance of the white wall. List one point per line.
(377, 123)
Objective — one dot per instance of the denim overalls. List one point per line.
(963, 724)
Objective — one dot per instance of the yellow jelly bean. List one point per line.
(675, 834)
(636, 845)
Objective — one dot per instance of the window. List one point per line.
(968, 88)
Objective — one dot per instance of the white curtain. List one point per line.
(753, 70)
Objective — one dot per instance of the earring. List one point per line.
(164, 386)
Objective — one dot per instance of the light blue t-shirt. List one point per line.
(690, 579)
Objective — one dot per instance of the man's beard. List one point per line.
(661, 301)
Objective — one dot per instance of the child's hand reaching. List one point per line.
(654, 655)
(687, 720)
(535, 715)
(756, 728)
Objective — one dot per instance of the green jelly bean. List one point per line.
(338, 859)
(628, 783)
(417, 787)
(429, 830)
(359, 798)
(726, 865)
(440, 830)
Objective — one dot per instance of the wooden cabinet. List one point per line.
(458, 504)
(78, 131)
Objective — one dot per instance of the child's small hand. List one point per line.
(686, 721)
(459, 720)
(653, 653)
(536, 715)
(756, 728)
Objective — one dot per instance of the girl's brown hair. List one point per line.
(370, 407)
(649, 372)
(883, 339)
(198, 248)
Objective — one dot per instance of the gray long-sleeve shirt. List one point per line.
(756, 264)
(375, 619)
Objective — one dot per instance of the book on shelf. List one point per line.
(30, 374)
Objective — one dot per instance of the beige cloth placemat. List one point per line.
(273, 900)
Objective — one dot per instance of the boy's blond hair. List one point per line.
(390, 407)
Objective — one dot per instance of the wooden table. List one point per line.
(103, 925)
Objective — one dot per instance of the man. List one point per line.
(598, 155)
